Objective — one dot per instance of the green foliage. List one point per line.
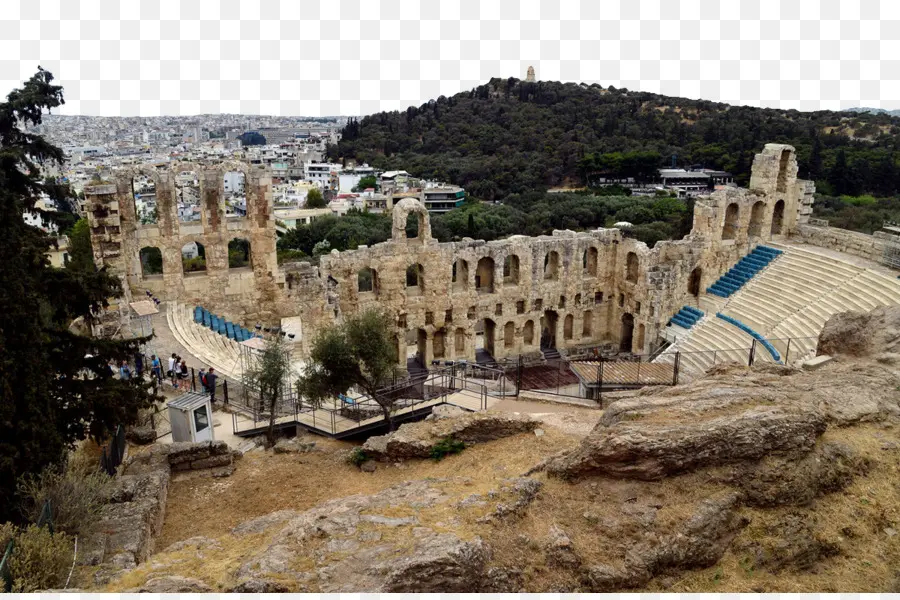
(54, 388)
(361, 351)
(269, 377)
(191, 265)
(40, 560)
(81, 255)
(238, 253)
(864, 214)
(290, 255)
(75, 498)
(357, 457)
(446, 446)
(354, 229)
(314, 199)
(366, 182)
(510, 136)
(151, 260)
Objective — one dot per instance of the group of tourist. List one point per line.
(177, 373)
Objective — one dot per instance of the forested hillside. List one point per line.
(511, 136)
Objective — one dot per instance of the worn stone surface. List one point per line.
(142, 435)
(415, 440)
(294, 445)
(861, 334)
(172, 584)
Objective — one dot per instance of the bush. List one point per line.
(7, 533)
(357, 457)
(447, 446)
(75, 498)
(40, 560)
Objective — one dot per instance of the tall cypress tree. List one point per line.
(54, 385)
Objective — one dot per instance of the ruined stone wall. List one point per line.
(842, 240)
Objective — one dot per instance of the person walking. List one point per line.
(184, 375)
(156, 369)
(203, 380)
(171, 371)
(211, 384)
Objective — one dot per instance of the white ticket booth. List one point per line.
(191, 417)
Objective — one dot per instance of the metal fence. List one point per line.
(112, 455)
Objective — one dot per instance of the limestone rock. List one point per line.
(415, 440)
(652, 451)
(791, 541)
(172, 584)
(861, 334)
(142, 435)
(260, 586)
(499, 580)
(293, 445)
(560, 549)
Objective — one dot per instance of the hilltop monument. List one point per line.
(529, 75)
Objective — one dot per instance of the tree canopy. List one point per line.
(55, 388)
(314, 199)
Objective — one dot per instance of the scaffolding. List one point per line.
(250, 395)
(141, 323)
(891, 237)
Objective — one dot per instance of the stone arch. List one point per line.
(239, 253)
(438, 344)
(587, 324)
(233, 195)
(627, 332)
(460, 275)
(250, 191)
(757, 218)
(509, 334)
(367, 280)
(488, 335)
(415, 280)
(632, 266)
(568, 325)
(188, 193)
(459, 343)
(528, 333)
(549, 323)
(484, 275)
(784, 161)
(694, 282)
(193, 257)
(589, 262)
(143, 197)
(151, 262)
(404, 208)
(778, 218)
(732, 221)
(511, 269)
(551, 265)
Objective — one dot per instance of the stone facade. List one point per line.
(568, 289)
(870, 247)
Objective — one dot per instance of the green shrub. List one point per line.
(7, 533)
(40, 560)
(76, 498)
(357, 457)
(447, 446)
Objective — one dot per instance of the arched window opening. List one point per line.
(511, 270)
(781, 182)
(485, 332)
(484, 275)
(234, 198)
(413, 225)
(528, 333)
(757, 216)
(631, 267)
(694, 282)
(587, 323)
(187, 196)
(567, 327)
(732, 218)
(509, 335)
(460, 277)
(778, 218)
(143, 190)
(625, 339)
(367, 280)
(238, 253)
(551, 265)
(193, 257)
(151, 262)
(589, 262)
(415, 280)
(438, 344)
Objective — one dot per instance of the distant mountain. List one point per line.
(511, 136)
(874, 111)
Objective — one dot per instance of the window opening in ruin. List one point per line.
(589, 261)
(511, 270)
(598, 297)
(413, 225)
(551, 265)
(694, 282)
(548, 329)
(778, 218)
(143, 194)
(562, 301)
(732, 218)
(460, 278)
(401, 321)
(757, 217)
(238, 253)
(367, 280)
(637, 308)
(484, 275)
(438, 344)
(520, 307)
(187, 196)
(448, 316)
(415, 280)
(567, 327)
(640, 339)
(193, 257)
(538, 304)
(151, 262)
(460, 342)
(470, 313)
(625, 338)
(429, 318)
(528, 333)
(587, 323)
(631, 267)
(577, 299)
(234, 197)
(781, 182)
(498, 310)
(621, 300)
(485, 331)
(509, 335)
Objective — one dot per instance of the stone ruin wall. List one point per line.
(443, 314)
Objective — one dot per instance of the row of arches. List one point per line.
(193, 257)
(485, 269)
(757, 220)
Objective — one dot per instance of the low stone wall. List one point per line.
(842, 240)
(124, 535)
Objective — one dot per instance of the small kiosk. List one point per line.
(191, 417)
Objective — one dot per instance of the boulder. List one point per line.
(415, 440)
(142, 435)
(293, 446)
(652, 450)
(861, 334)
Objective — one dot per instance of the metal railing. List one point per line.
(112, 455)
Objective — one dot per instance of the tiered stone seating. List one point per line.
(743, 271)
(687, 317)
(208, 346)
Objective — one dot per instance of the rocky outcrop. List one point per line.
(648, 451)
(415, 440)
(172, 584)
(861, 334)
(294, 445)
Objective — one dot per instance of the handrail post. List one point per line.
(787, 351)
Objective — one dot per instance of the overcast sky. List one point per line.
(352, 57)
